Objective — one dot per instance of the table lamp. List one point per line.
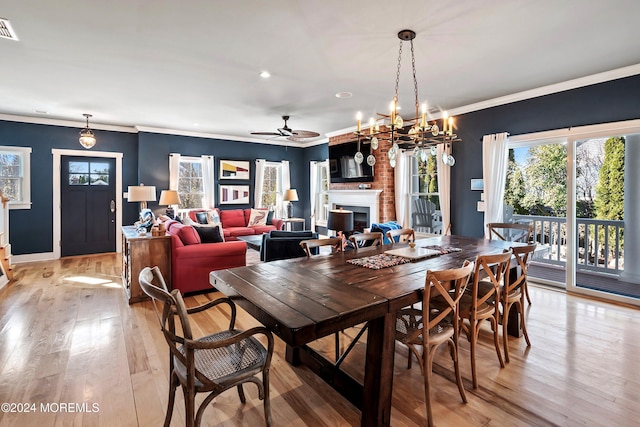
(291, 195)
(340, 220)
(141, 193)
(169, 198)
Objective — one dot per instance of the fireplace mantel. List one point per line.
(366, 198)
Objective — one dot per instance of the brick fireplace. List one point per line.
(383, 183)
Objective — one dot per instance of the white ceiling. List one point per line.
(170, 65)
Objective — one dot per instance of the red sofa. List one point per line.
(191, 260)
(235, 223)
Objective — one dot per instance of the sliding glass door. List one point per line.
(579, 189)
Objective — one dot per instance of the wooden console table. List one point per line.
(139, 251)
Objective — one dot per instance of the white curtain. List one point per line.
(208, 177)
(313, 191)
(495, 159)
(402, 174)
(444, 187)
(285, 180)
(174, 170)
(257, 190)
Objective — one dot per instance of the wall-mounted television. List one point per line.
(343, 167)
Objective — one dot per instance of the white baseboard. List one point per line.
(43, 256)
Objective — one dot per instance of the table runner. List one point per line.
(376, 262)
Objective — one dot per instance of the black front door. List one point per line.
(88, 205)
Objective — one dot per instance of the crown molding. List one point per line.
(281, 142)
(606, 76)
(67, 123)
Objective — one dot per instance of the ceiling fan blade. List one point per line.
(304, 134)
(266, 133)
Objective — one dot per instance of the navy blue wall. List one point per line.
(154, 150)
(31, 230)
(612, 101)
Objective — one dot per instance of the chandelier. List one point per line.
(87, 139)
(416, 133)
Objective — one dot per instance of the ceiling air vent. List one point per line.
(6, 31)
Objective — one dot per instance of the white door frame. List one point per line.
(57, 217)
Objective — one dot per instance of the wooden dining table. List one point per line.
(304, 299)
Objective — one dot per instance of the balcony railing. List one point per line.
(600, 243)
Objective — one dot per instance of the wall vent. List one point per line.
(6, 30)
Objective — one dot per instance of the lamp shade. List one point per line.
(141, 193)
(340, 220)
(291, 195)
(169, 197)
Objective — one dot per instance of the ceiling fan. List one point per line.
(287, 132)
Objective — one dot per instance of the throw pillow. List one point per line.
(209, 234)
(188, 221)
(188, 235)
(258, 217)
(201, 217)
(270, 218)
(213, 217)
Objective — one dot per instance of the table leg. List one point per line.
(378, 372)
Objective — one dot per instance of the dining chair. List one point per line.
(511, 232)
(512, 294)
(336, 246)
(429, 328)
(366, 239)
(213, 363)
(480, 302)
(334, 242)
(402, 234)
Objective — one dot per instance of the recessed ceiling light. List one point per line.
(344, 95)
(265, 74)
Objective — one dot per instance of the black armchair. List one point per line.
(279, 244)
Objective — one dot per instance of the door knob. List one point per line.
(113, 206)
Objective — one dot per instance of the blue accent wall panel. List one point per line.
(154, 150)
(613, 101)
(31, 230)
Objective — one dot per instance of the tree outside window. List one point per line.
(190, 183)
(270, 185)
(11, 175)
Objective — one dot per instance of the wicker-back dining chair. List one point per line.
(480, 302)
(334, 242)
(512, 232)
(213, 363)
(512, 294)
(402, 235)
(428, 328)
(362, 239)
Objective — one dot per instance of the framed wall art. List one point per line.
(234, 194)
(234, 169)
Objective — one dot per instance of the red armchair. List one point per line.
(191, 260)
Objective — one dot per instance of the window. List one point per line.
(15, 172)
(425, 199)
(193, 178)
(190, 183)
(88, 173)
(271, 180)
(271, 185)
(322, 193)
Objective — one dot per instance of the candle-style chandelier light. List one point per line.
(416, 133)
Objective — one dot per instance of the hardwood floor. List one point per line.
(68, 337)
